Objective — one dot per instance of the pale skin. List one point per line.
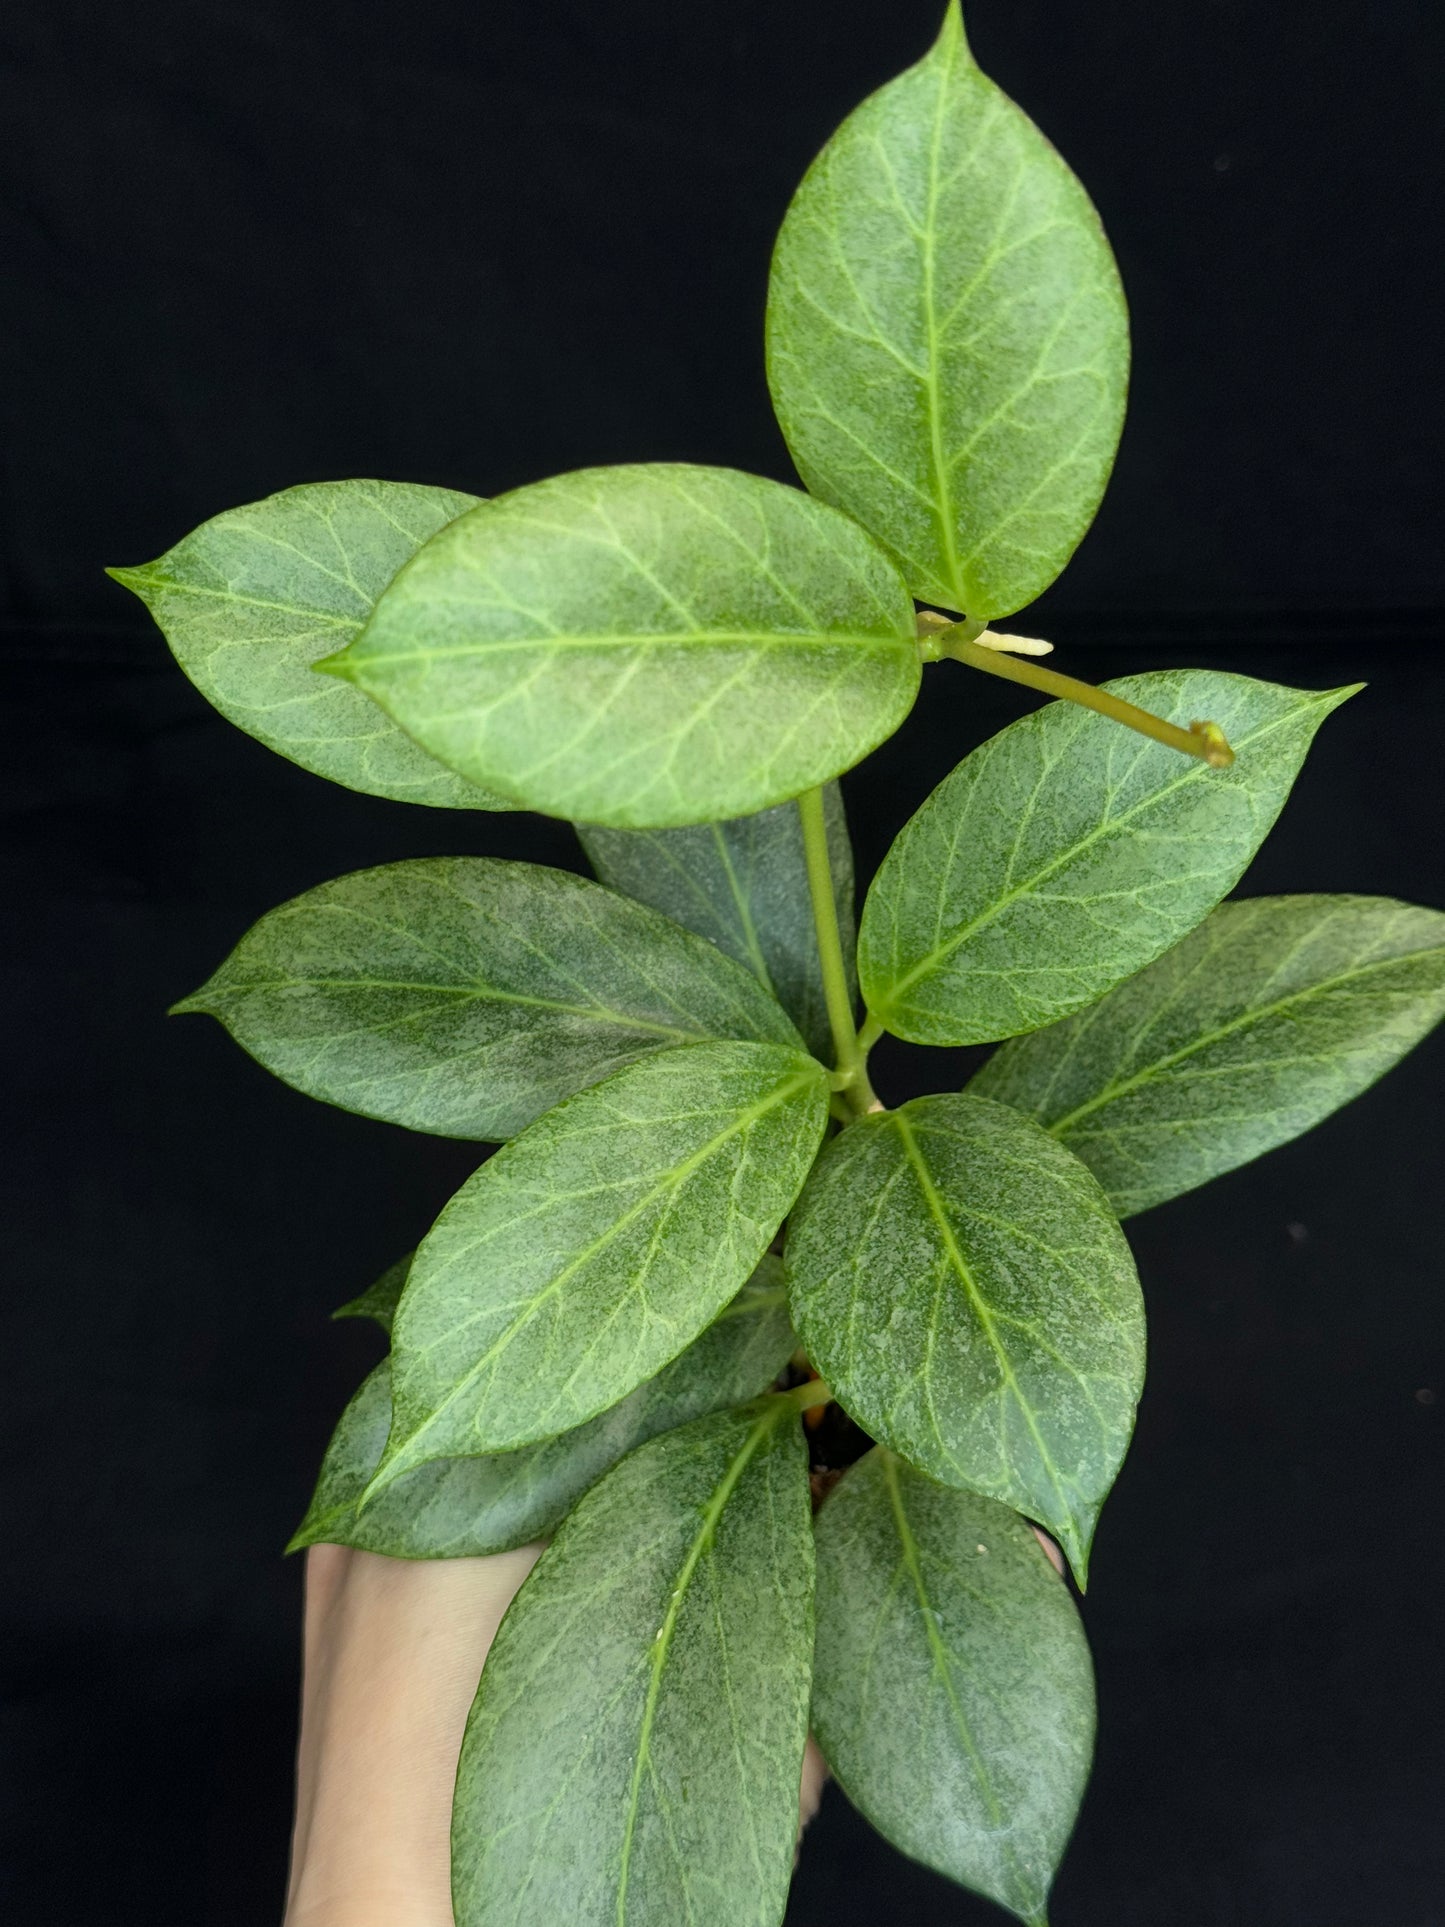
(392, 1650)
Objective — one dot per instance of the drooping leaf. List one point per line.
(959, 1280)
(1269, 1016)
(460, 1508)
(467, 995)
(634, 1752)
(378, 1301)
(1067, 852)
(744, 885)
(645, 646)
(253, 598)
(953, 1695)
(948, 345)
(590, 1250)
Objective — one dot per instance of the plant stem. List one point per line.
(852, 1063)
(1205, 740)
(805, 1396)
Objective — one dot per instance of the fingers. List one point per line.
(394, 1649)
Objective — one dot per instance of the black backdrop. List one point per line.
(253, 244)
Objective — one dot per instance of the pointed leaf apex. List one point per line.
(952, 36)
(337, 665)
(192, 1006)
(138, 579)
(1076, 1537)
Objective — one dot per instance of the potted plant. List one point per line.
(703, 1227)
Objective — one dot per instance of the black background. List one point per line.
(254, 244)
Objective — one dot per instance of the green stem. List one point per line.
(852, 1063)
(805, 1396)
(1205, 740)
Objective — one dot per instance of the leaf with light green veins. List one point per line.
(645, 646)
(461, 1508)
(1066, 853)
(378, 1302)
(953, 1696)
(959, 1280)
(467, 995)
(589, 1251)
(948, 344)
(1272, 1014)
(744, 885)
(635, 1749)
(252, 599)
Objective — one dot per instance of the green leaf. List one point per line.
(948, 345)
(378, 1301)
(1269, 1016)
(953, 1696)
(645, 646)
(959, 1280)
(634, 1752)
(1066, 853)
(589, 1251)
(459, 1508)
(743, 885)
(252, 599)
(467, 995)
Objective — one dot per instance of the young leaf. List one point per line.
(590, 1250)
(959, 1280)
(1066, 853)
(744, 885)
(253, 598)
(378, 1301)
(1269, 1016)
(467, 995)
(953, 1695)
(459, 1508)
(634, 1752)
(645, 646)
(948, 345)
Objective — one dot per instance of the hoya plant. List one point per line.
(703, 1226)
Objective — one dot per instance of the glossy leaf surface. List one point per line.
(645, 646)
(589, 1251)
(252, 599)
(959, 1280)
(635, 1749)
(953, 1696)
(948, 345)
(744, 885)
(1269, 1016)
(1067, 852)
(460, 1508)
(467, 995)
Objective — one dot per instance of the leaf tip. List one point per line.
(140, 580)
(1076, 1536)
(337, 665)
(193, 1005)
(952, 37)
(298, 1542)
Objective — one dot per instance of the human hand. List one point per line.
(393, 1649)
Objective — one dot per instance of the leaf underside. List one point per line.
(1264, 1020)
(634, 1752)
(253, 599)
(1067, 852)
(953, 1695)
(958, 1279)
(948, 343)
(645, 646)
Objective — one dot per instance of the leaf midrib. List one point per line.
(702, 1539)
(675, 1176)
(934, 1202)
(1258, 1014)
(369, 657)
(940, 953)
